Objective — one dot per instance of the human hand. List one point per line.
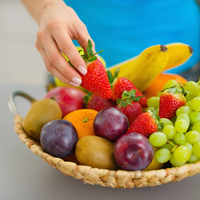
(58, 26)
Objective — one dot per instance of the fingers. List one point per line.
(56, 64)
(82, 39)
(66, 45)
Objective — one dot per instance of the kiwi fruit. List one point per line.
(41, 112)
(96, 152)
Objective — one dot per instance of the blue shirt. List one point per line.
(124, 28)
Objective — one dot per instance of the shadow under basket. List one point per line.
(95, 176)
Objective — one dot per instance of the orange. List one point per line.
(157, 85)
(82, 119)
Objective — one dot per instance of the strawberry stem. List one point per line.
(127, 98)
(89, 56)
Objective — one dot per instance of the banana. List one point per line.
(179, 53)
(122, 65)
(152, 66)
(144, 68)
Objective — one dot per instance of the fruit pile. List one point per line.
(108, 123)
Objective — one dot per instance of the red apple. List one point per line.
(68, 98)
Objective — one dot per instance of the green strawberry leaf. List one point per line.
(90, 55)
(118, 101)
(160, 125)
(127, 98)
(116, 72)
(89, 49)
(91, 59)
(110, 76)
(86, 98)
(125, 95)
(124, 104)
(71, 64)
(128, 101)
(184, 92)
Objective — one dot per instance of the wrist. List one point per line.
(45, 5)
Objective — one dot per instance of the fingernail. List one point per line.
(82, 70)
(74, 84)
(77, 80)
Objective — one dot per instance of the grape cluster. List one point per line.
(179, 140)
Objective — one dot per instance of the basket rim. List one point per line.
(110, 178)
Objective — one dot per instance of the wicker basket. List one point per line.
(95, 176)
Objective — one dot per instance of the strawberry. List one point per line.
(92, 101)
(129, 105)
(170, 100)
(119, 85)
(146, 124)
(96, 79)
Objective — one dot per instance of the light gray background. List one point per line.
(23, 175)
(20, 62)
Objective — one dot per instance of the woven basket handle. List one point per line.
(11, 102)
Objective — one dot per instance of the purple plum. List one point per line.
(133, 151)
(59, 138)
(110, 123)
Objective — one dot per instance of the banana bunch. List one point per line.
(144, 68)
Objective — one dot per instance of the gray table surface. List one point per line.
(24, 175)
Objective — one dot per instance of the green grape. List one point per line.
(179, 138)
(185, 117)
(165, 121)
(192, 137)
(190, 127)
(174, 162)
(192, 87)
(168, 146)
(196, 148)
(188, 103)
(195, 103)
(190, 97)
(162, 155)
(189, 146)
(198, 94)
(195, 116)
(173, 120)
(170, 83)
(193, 158)
(196, 127)
(181, 126)
(158, 139)
(169, 131)
(184, 110)
(153, 102)
(182, 154)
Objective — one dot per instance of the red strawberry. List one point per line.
(119, 85)
(96, 79)
(146, 124)
(170, 100)
(97, 103)
(129, 105)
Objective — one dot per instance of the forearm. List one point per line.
(36, 7)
